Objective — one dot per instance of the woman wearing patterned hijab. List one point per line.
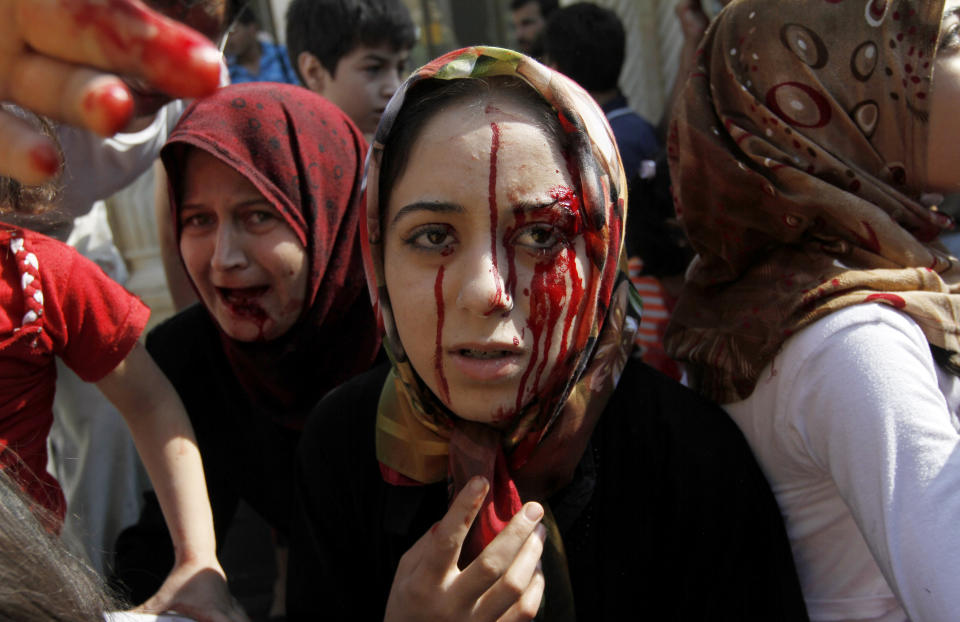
(820, 309)
(511, 411)
(265, 194)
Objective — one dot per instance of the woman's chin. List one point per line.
(495, 410)
(246, 329)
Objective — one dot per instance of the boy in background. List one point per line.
(252, 58)
(353, 52)
(529, 18)
(587, 42)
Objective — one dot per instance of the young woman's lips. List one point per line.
(243, 301)
(486, 363)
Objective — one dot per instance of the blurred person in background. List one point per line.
(252, 57)
(529, 18)
(353, 52)
(587, 43)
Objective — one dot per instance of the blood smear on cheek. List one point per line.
(576, 297)
(548, 291)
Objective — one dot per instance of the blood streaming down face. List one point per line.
(485, 224)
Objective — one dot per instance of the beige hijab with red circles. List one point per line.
(797, 154)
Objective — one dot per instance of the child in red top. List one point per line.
(54, 302)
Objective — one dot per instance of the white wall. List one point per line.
(279, 9)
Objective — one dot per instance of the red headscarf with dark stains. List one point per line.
(306, 158)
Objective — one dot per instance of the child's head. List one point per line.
(39, 578)
(353, 52)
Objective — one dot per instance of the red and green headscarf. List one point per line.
(418, 439)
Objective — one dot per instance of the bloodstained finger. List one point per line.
(125, 37)
(447, 536)
(25, 154)
(74, 95)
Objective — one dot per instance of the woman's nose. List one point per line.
(390, 84)
(483, 289)
(228, 252)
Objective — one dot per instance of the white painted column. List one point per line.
(134, 226)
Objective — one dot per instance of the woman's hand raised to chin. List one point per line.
(58, 58)
(503, 583)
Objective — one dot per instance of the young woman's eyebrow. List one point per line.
(527, 207)
(437, 207)
(950, 14)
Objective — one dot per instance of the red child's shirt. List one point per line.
(80, 315)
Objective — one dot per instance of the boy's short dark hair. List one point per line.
(586, 42)
(547, 7)
(331, 29)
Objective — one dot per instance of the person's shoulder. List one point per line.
(339, 432)
(66, 270)
(861, 321)
(634, 128)
(350, 406)
(46, 247)
(273, 49)
(176, 340)
(853, 344)
(658, 395)
(192, 320)
(652, 407)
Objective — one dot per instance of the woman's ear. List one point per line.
(312, 71)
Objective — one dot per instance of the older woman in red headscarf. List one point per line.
(265, 184)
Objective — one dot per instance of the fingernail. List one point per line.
(478, 485)
(533, 511)
(45, 159)
(186, 65)
(111, 105)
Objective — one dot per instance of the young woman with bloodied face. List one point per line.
(265, 192)
(820, 311)
(513, 455)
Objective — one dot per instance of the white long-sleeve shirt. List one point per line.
(856, 428)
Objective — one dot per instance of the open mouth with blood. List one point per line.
(244, 301)
(486, 363)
